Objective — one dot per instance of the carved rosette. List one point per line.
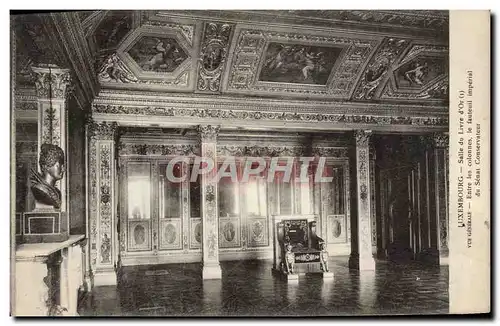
(158, 149)
(51, 82)
(378, 67)
(213, 56)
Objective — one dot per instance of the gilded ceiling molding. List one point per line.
(225, 114)
(213, 55)
(185, 29)
(378, 67)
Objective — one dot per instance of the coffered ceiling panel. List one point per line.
(158, 55)
(288, 62)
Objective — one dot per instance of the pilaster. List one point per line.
(208, 143)
(102, 212)
(361, 241)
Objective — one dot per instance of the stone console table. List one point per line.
(47, 275)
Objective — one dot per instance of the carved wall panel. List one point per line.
(139, 236)
(281, 62)
(337, 229)
(229, 232)
(195, 233)
(258, 233)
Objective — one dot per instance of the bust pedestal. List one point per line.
(45, 224)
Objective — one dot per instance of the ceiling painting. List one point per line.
(302, 64)
(160, 55)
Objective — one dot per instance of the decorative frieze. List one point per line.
(158, 149)
(225, 114)
(362, 137)
(279, 151)
(213, 56)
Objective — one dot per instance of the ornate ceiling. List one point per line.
(387, 58)
(324, 55)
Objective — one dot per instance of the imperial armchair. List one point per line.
(298, 244)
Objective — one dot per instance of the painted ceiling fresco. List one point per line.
(162, 55)
(294, 63)
(418, 72)
(112, 29)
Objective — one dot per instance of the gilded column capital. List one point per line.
(102, 130)
(362, 137)
(440, 140)
(208, 133)
(51, 81)
(436, 140)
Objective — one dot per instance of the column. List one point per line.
(51, 84)
(436, 199)
(209, 186)
(361, 238)
(102, 206)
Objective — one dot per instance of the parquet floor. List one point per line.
(248, 288)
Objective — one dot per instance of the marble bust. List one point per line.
(43, 185)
